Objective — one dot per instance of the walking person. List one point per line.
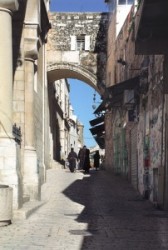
(72, 158)
(86, 165)
(96, 160)
(84, 158)
(81, 157)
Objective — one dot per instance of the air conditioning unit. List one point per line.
(129, 99)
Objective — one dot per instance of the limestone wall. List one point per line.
(66, 27)
(150, 113)
(30, 98)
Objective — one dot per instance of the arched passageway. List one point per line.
(77, 49)
(61, 119)
(65, 71)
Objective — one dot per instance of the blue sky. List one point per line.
(81, 94)
(78, 5)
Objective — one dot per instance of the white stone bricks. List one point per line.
(6, 200)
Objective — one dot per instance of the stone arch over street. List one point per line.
(61, 71)
(77, 48)
(58, 74)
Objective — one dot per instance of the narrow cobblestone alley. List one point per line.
(96, 211)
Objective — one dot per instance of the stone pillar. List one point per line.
(30, 178)
(8, 162)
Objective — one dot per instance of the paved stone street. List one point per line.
(96, 211)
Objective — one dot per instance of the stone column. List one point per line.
(8, 162)
(30, 178)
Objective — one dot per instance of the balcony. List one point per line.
(151, 27)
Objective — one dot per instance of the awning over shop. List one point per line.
(116, 92)
(97, 121)
(118, 88)
(100, 141)
(114, 95)
(101, 107)
(97, 130)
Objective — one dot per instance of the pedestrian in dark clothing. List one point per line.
(84, 158)
(96, 160)
(81, 157)
(86, 165)
(72, 157)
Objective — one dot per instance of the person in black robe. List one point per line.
(86, 165)
(81, 157)
(97, 160)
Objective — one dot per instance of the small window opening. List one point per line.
(80, 41)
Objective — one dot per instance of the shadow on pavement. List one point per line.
(117, 217)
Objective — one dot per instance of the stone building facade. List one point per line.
(64, 124)
(133, 85)
(24, 129)
(137, 124)
(29, 137)
(77, 46)
(75, 135)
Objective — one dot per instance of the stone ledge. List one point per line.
(27, 209)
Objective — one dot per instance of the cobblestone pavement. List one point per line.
(96, 212)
